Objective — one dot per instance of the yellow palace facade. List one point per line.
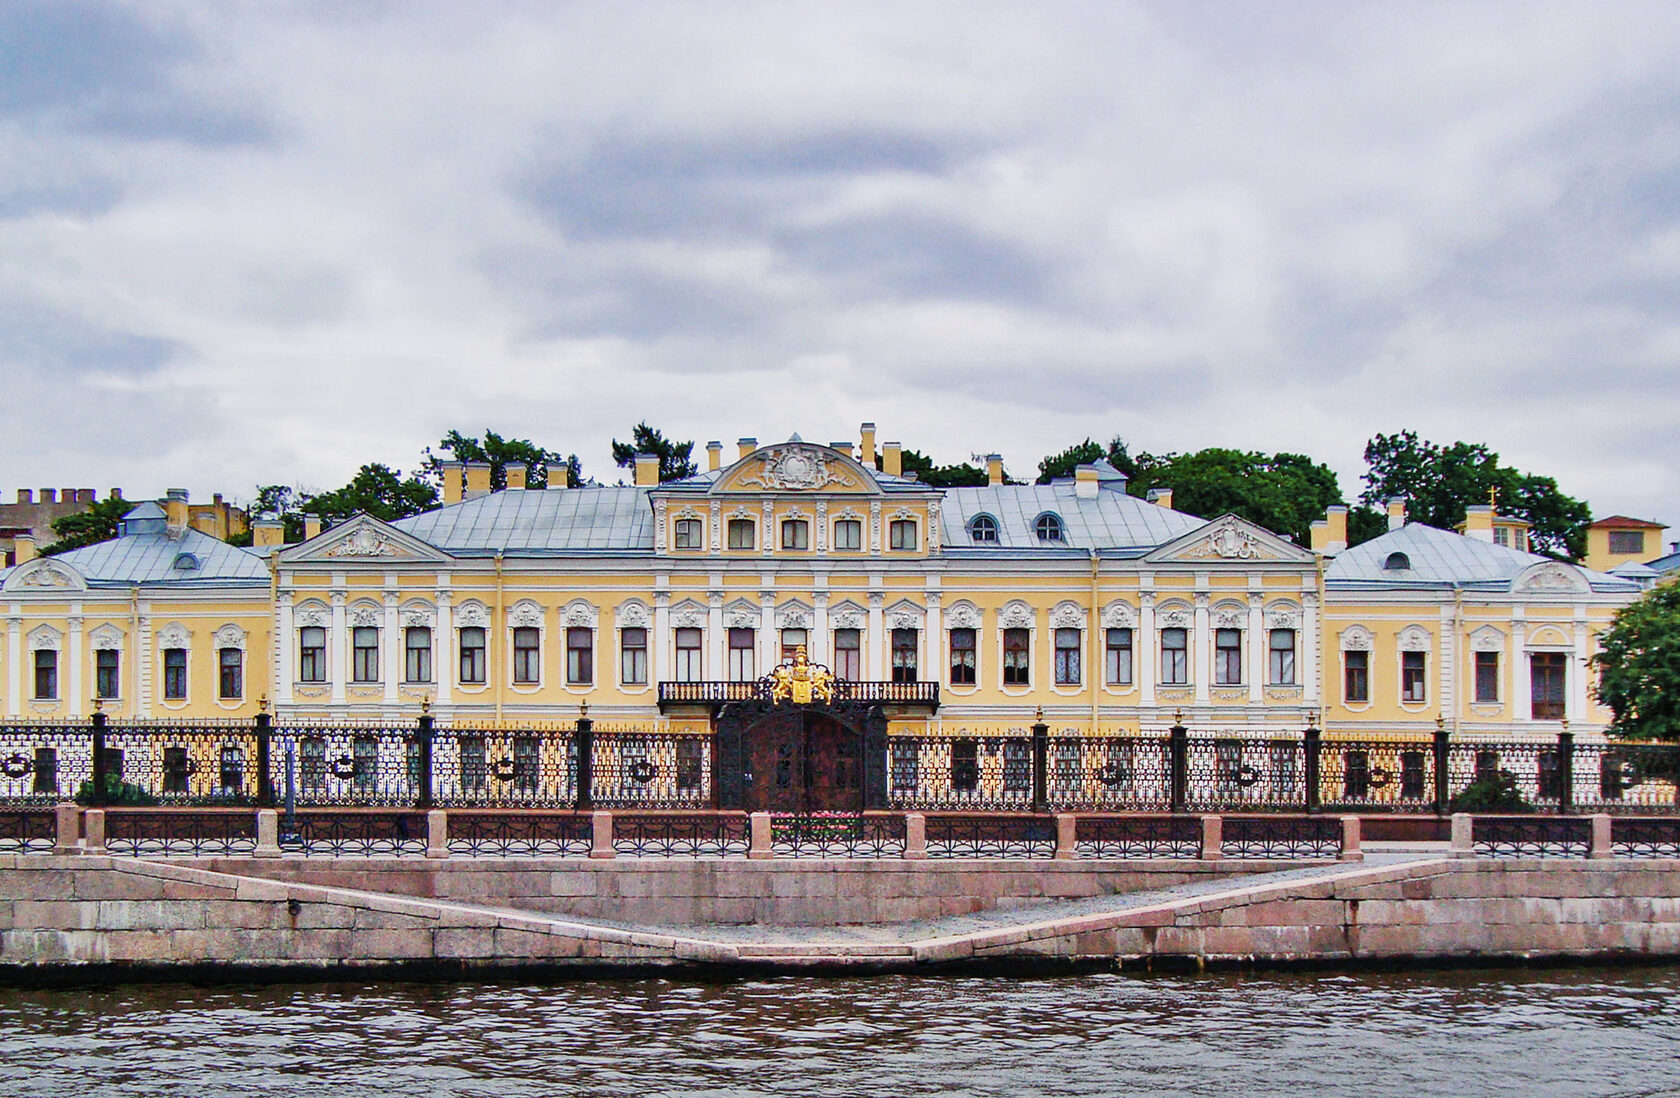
(951, 608)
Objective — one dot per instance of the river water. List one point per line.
(1526, 1033)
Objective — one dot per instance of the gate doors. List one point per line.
(803, 761)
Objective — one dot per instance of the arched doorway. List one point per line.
(801, 758)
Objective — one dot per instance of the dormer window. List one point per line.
(1397, 562)
(1048, 527)
(186, 562)
(982, 529)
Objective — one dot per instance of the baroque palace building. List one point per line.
(951, 608)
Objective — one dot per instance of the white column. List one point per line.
(286, 652)
(14, 666)
(769, 643)
(396, 646)
(443, 650)
(1522, 702)
(1145, 659)
(77, 697)
(338, 652)
(819, 628)
(145, 656)
(1575, 705)
(661, 647)
(876, 657)
(1451, 674)
(1202, 649)
(1307, 662)
(716, 668)
(1259, 646)
(933, 645)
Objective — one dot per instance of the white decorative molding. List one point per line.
(106, 638)
(793, 615)
(847, 615)
(1067, 615)
(741, 614)
(525, 614)
(1547, 636)
(1551, 576)
(312, 615)
(366, 616)
(473, 614)
(1487, 639)
(1119, 615)
(1413, 638)
(904, 615)
(1283, 615)
(963, 615)
(228, 636)
(688, 614)
(1174, 615)
(581, 614)
(45, 637)
(1227, 616)
(632, 614)
(1015, 615)
(364, 541)
(1356, 638)
(1227, 541)
(717, 524)
(173, 635)
(48, 574)
(798, 467)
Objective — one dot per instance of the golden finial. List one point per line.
(1493, 497)
(425, 703)
(1178, 715)
(583, 708)
(1565, 724)
(98, 705)
(1441, 723)
(262, 704)
(1312, 718)
(1039, 715)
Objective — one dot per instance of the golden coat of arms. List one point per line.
(801, 681)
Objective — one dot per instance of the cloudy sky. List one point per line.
(246, 243)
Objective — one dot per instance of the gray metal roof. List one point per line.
(1666, 564)
(573, 520)
(1442, 557)
(151, 558)
(1110, 520)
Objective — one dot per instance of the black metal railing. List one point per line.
(993, 836)
(1280, 837)
(1645, 837)
(354, 833)
(27, 831)
(1531, 836)
(145, 831)
(716, 693)
(681, 834)
(838, 835)
(519, 834)
(1138, 836)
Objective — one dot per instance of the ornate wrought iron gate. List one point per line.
(802, 758)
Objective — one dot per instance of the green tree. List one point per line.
(275, 501)
(1639, 667)
(960, 475)
(98, 523)
(1439, 482)
(500, 452)
(377, 489)
(1285, 493)
(673, 456)
(1057, 466)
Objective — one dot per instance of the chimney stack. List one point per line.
(867, 452)
(1396, 512)
(267, 532)
(516, 474)
(746, 446)
(1085, 482)
(311, 526)
(844, 446)
(892, 459)
(116, 493)
(23, 548)
(647, 470)
(175, 508)
(714, 456)
(1160, 497)
(1329, 534)
(994, 469)
(1478, 521)
(557, 475)
(478, 479)
(451, 471)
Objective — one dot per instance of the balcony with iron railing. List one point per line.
(716, 693)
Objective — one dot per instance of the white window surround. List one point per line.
(525, 614)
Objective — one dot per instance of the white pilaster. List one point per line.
(14, 665)
(1202, 649)
(443, 649)
(933, 642)
(1522, 697)
(338, 652)
(1146, 660)
(716, 667)
(1307, 663)
(1579, 671)
(661, 647)
(78, 696)
(1259, 648)
(769, 641)
(819, 628)
(286, 651)
(396, 645)
(876, 656)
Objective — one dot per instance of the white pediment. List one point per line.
(797, 467)
(46, 574)
(363, 538)
(1233, 540)
(1552, 577)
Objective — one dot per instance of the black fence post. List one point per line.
(1178, 750)
(423, 757)
(1443, 780)
(1041, 765)
(585, 760)
(1312, 756)
(98, 795)
(1566, 773)
(265, 779)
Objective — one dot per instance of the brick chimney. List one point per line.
(1329, 534)
(311, 526)
(1478, 521)
(267, 532)
(23, 548)
(1160, 497)
(1085, 482)
(1396, 512)
(994, 469)
(647, 470)
(867, 451)
(892, 459)
(745, 446)
(557, 475)
(478, 479)
(516, 476)
(451, 472)
(175, 508)
(714, 456)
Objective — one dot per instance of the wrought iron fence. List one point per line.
(27, 831)
(838, 835)
(144, 831)
(515, 834)
(680, 834)
(652, 768)
(993, 836)
(354, 833)
(1281, 837)
(1138, 836)
(1638, 837)
(1531, 836)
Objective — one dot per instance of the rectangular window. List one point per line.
(965, 765)
(690, 763)
(689, 661)
(472, 653)
(230, 673)
(527, 654)
(1117, 659)
(312, 654)
(107, 681)
(1017, 766)
(848, 654)
(312, 764)
(176, 767)
(792, 641)
(1502, 535)
(1280, 657)
(904, 655)
(1356, 676)
(741, 643)
(1546, 685)
(1017, 657)
(1413, 688)
(174, 673)
(1175, 657)
(364, 654)
(796, 534)
(901, 534)
(1067, 657)
(580, 656)
(962, 657)
(740, 533)
(688, 534)
(633, 657)
(46, 674)
(473, 772)
(417, 654)
(848, 534)
(1627, 541)
(1487, 677)
(906, 765)
(1227, 657)
(231, 773)
(46, 770)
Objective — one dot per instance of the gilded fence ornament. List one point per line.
(801, 681)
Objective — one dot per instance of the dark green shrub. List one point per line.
(1496, 792)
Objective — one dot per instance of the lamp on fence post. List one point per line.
(1312, 752)
(423, 753)
(1566, 769)
(98, 768)
(1178, 751)
(1443, 780)
(265, 732)
(1041, 763)
(585, 758)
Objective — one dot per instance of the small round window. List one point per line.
(983, 528)
(1048, 527)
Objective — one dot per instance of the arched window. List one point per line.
(983, 528)
(1048, 527)
(1397, 562)
(186, 562)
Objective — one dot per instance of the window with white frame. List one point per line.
(364, 654)
(963, 657)
(1175, 657)
(230, 673)
(174, 673)
(796, 534)
(1280, 657)
(580, 656)
(1067, 657)
(741, 533)
(1017, 657)
(689, 661)
(741, 663)
(687, 534)
(633, 656)
(1118, 657)
(793, 639)
(417, 654)
(904, 644)
(472, 654)
(527, 655)
(848, 534)
(1414, 683)
(312, 654)
(107, 677)
(46, 674)
(1227, 657)
(848, 654)
(901, 534)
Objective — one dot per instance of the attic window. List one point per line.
(186, 562)
(1397, 562)
(1048, 527)
(983, 528)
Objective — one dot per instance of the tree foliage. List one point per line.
(1285, 493)
(674, 463)
(500, 452)
(98, 523)
(1057, 466)
(1639, 667)
(960, 475)
(379, 490)
(1439, 482)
